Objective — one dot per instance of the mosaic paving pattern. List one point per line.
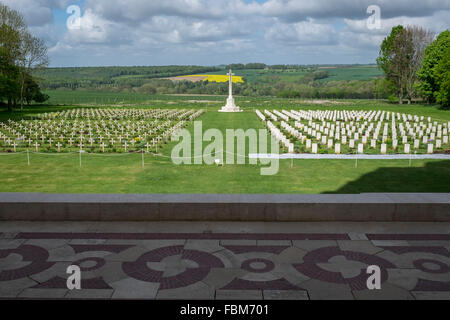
(221, 265)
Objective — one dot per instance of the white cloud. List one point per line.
(36, 12)
(298, 10)
(93, 29)
(436, 23)
(302, 33)
(137, 11)
(217, 31)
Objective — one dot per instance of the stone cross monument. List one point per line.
(230, 106)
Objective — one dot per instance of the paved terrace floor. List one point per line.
(224, 260)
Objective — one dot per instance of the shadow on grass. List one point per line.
(433, 177)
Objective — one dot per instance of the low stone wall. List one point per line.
(214, 207)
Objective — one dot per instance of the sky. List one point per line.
(215, 32)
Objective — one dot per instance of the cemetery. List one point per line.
(94, 130)
(351, 131)
(127, 149)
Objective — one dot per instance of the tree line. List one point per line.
(20, 54)
(94, 77)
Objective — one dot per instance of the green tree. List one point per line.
(387, 52)
(9, 79)
(434, 53)
(395, 58)
(32, 92)
(442, 76)
(20, 53)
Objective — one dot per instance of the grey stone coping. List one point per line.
(227, 198)
(225, 207)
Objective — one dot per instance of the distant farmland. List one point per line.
(367, 72)
(335, 73)
(207, 77)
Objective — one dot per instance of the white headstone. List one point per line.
(330, 143)
(314, 148)
(406, 148)
(291, 148)
(351, 143)
(337, 148)
(430, 148)
(360, 148)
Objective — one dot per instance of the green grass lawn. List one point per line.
(123, 173)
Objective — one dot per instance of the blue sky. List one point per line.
(212, 32)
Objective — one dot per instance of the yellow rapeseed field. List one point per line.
(217, 78)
